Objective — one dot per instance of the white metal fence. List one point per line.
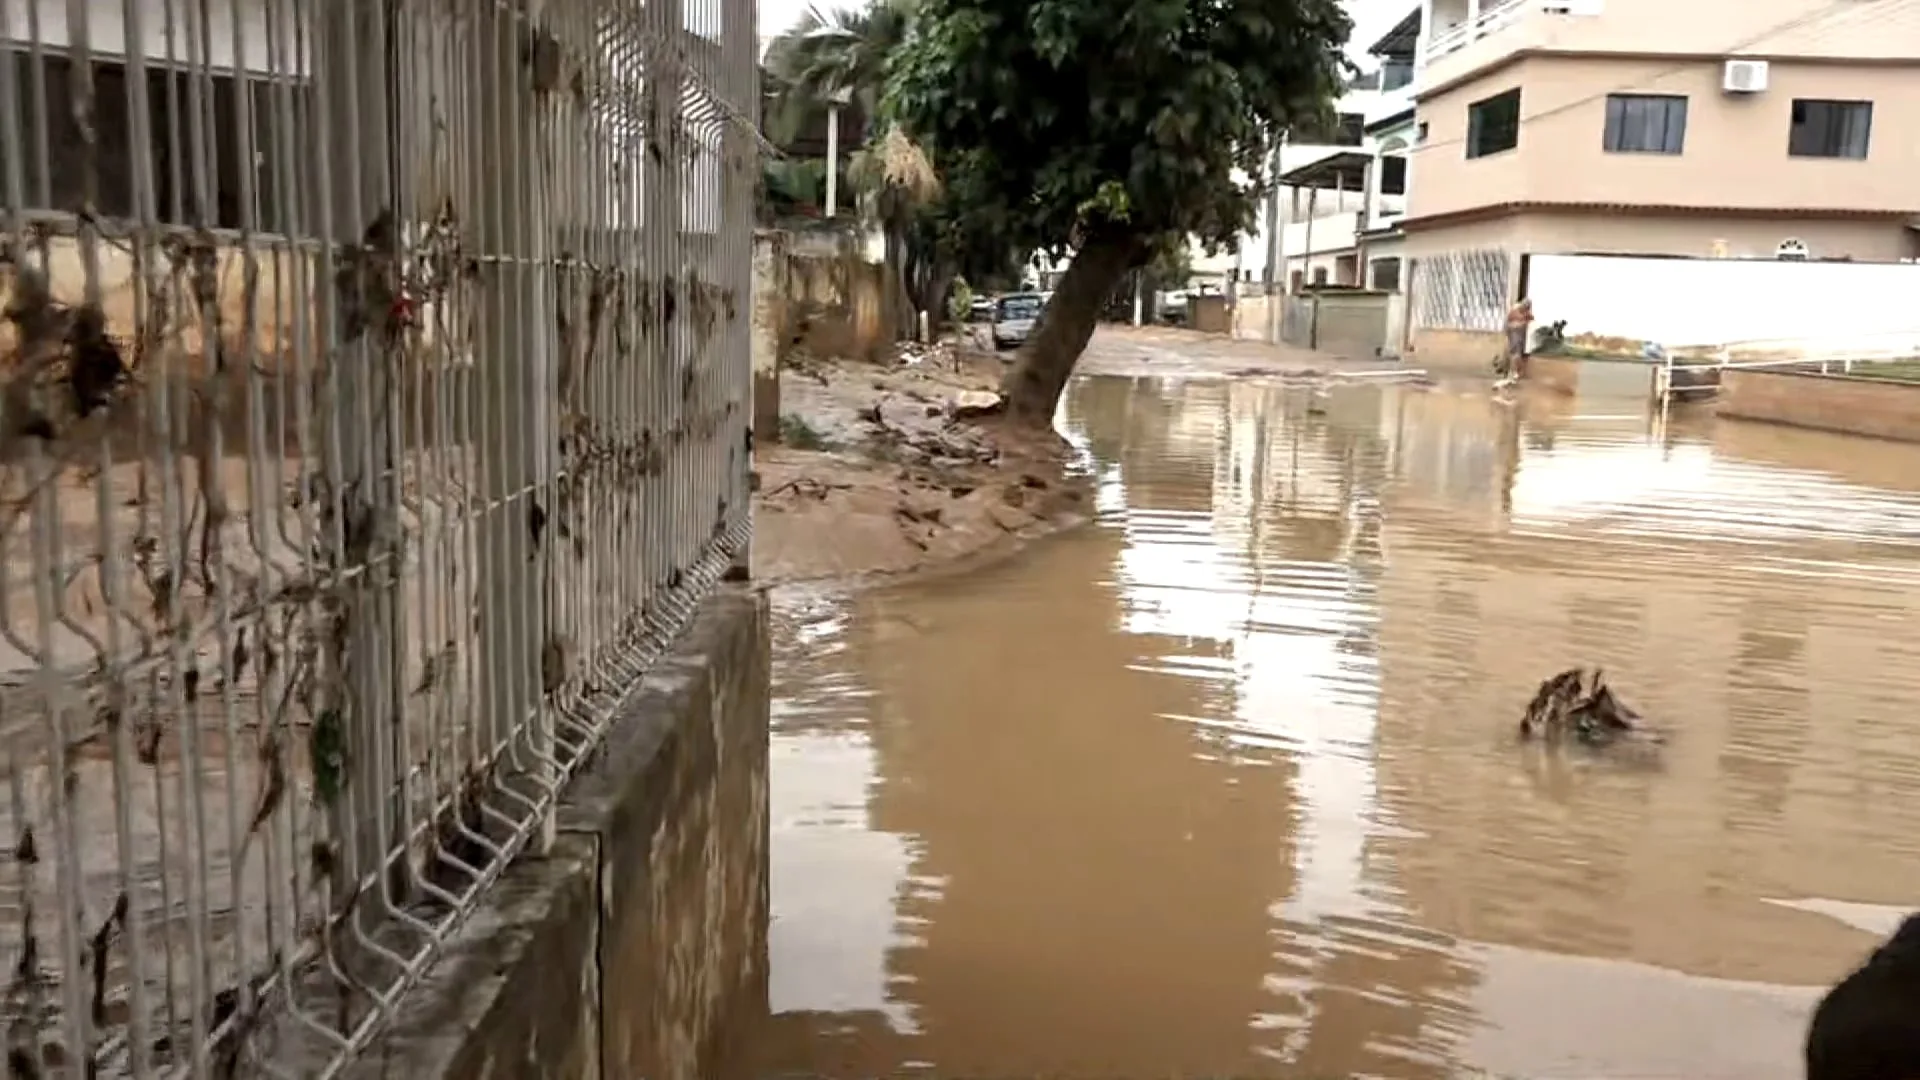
(1461, 290)
(1698, 377)
(374, 409)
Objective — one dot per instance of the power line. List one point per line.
(1882, 10)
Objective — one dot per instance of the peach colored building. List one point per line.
(1706, 128)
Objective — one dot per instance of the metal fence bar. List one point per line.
(375, 411)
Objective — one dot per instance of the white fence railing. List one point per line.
(1669, 385)
(1491, 18)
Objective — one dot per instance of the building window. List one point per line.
(1386, 275)
(1830, 129)
(1645, 124)
(1493, 125)
(1319, 275)
(1393, 176)
(180, 125)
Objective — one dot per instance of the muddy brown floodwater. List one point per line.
(1226, 782)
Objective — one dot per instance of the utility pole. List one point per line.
(1274, 225)
(833, 159)
(1273, 215)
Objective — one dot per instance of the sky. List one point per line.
(1371, 18)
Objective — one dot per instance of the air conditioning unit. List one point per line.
(1744, 77)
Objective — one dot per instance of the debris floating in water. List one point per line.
(1575, 705)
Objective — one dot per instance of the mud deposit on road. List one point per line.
(879, 471)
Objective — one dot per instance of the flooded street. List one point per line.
(1227, 782)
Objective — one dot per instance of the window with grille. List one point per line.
(1645, 124)
(1493, 124)
(1461, 290)
(1830, 129)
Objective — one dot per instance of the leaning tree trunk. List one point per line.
(1045, 363)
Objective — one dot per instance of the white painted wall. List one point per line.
(1332, 233)
(1762, 305)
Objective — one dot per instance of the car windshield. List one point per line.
(1020, 307)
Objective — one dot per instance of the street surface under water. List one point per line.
(1227, 783)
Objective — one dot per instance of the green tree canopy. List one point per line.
(1105, 127)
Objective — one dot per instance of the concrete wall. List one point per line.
(836, 297)
(1461, 351)
(1394, 343)
(1561, 374)
(1629, 231)
(1210, 314)
(1252, 313)
(1882, 408)
(1296, 320)
(1353, 325)
(768, 330)
(638, 946)
(1632, 379)
(1802, 308)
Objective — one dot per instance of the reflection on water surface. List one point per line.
(1225, 783)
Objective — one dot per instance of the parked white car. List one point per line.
(1014, 318)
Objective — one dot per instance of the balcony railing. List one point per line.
(1492, 18)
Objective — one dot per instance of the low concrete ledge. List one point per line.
(1593, 376)
(1882, 408)
(1457, 352)
(1560, 374)
(637, 946)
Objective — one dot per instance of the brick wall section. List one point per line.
(1877, 407)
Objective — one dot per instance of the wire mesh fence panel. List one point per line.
(375, 411)
(1461, 290)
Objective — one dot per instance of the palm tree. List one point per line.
(831, 55)
(839, 57)
(899, 183)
